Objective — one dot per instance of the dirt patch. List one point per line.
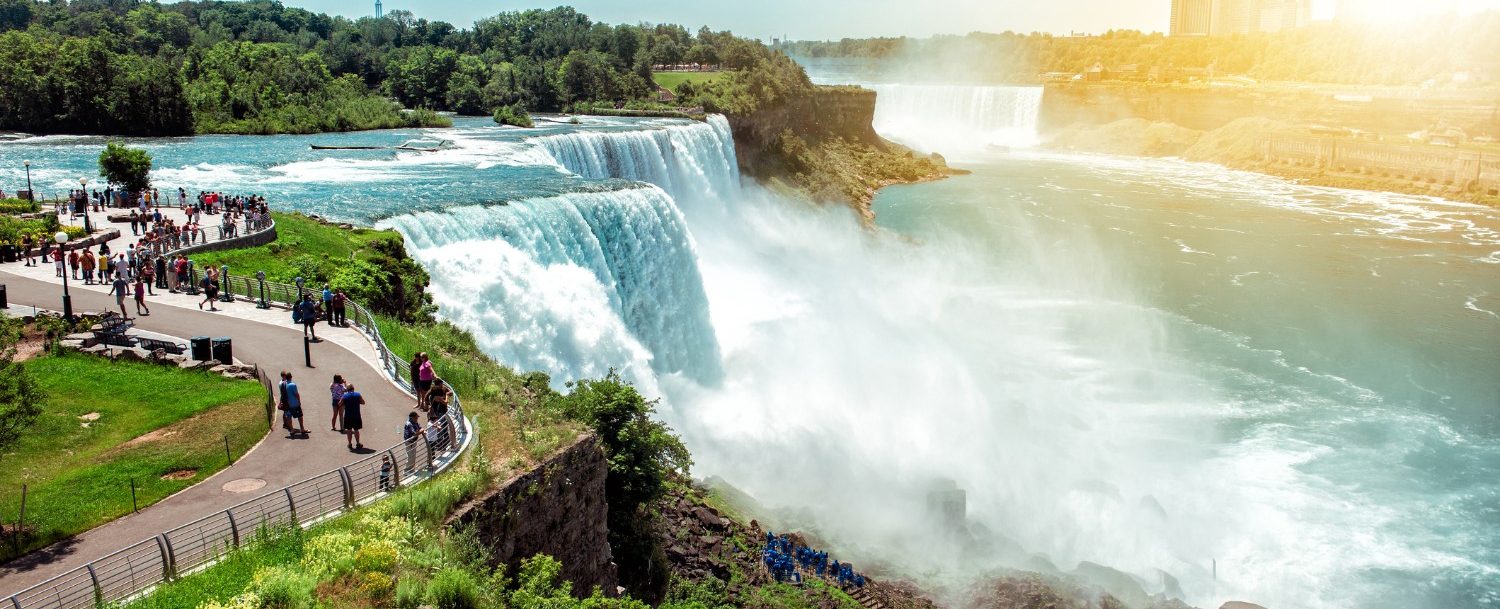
(181, 474)
(30, 347)
(90, 417)
(147, 438)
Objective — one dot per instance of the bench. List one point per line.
(152, 344)
(115, 325)
(114, 340)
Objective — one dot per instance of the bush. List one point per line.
(453, 589)
(513, 115)
(18, 206)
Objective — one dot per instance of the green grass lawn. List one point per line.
(298, 238)
(151, 421)
(670, 80)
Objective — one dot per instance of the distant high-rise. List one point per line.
(379, 10)
(1231, 17)
(1191, 17)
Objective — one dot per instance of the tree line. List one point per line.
(134, 67)
(1442, 50)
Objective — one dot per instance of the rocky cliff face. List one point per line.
(823, 147)
(557, 508)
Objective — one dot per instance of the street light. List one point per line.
(83, 197)
(29, 194)
(62, 242)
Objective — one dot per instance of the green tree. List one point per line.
(643, 455)
(586, 76)
(127, 167)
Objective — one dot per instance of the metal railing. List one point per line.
(196, 545)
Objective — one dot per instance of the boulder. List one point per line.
(130, 354)
(190, 364)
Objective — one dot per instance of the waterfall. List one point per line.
(566, 283)
(955, 119)
(692, 162)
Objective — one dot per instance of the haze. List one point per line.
(833, 19)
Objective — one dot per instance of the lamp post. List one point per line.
(261, 276)
(62, 242)
(83, 194)
(29, 194)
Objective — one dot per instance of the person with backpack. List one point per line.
(353, 422)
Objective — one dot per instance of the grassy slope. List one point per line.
(670, 80)
(296, 235)
(79, 477)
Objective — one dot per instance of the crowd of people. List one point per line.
(787, 561)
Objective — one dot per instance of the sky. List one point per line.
(834, 19)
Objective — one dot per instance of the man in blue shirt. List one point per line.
(291, 405)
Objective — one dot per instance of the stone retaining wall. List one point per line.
(557, 508)
(249, 240)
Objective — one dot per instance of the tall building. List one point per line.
(1253, 16)
(1191, 17)
(379, 10)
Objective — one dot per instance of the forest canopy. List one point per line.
(134, 67)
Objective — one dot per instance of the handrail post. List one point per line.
(234, 528)
(291, 505)
(166, 559)
(348, 487)
(98, 592)
(171, 552)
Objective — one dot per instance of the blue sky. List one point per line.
(833, 19)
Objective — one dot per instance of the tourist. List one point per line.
(437, 399)
(148, 276)
(340, 304)
(432, 434)
(73, 263)
(327, 304)
(336, 390)
(409, 433)
(291, 405)
(140, 296)
(119, 288)
(180, 268)
(210, 285)
(424, 379)
(59, 261)
(87, 261)
(352, 420)
(102, 262)
(26, 250)
(135, 223)
(413, 371)
(307, 315)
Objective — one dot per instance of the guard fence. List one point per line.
(196, 545)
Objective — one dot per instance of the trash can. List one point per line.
(223, 350)
(201, 349)
(7, 253)
(4, 300)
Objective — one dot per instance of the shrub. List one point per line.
(18, 206)
(513, 115)
(453, 589)
(377, 557)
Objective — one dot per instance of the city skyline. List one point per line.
(830, 19)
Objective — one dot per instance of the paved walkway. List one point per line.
(266, 338)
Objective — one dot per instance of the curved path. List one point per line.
(266, 338)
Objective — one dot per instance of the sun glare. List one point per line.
(1393, 12)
